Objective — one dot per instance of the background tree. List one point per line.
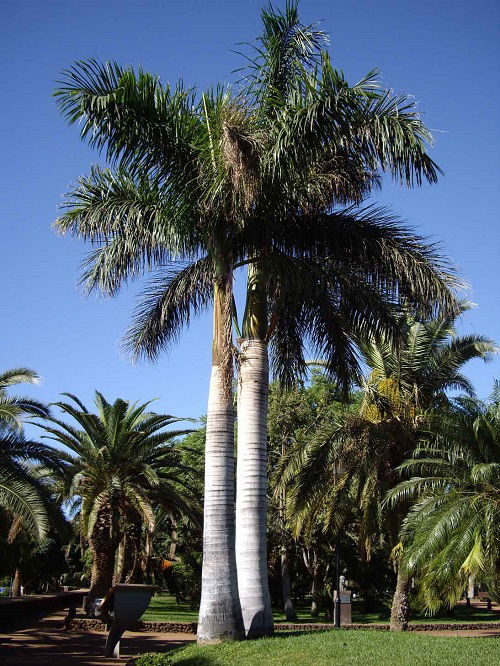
(119, 463)
(452, 530)
(405, 383)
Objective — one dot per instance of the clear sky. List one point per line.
(445, 53)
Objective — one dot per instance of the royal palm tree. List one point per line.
(220, 183)
(452, 530)
(119, 463)
(326, 144)
(170, 198)
(405, 384)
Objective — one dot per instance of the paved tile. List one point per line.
(48, 643)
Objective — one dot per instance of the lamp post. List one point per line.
(338, 470)
(337, 576)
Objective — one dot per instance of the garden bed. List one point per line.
(87, 624)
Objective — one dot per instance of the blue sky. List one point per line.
(444, 53)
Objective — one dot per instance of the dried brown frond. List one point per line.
(240, 146)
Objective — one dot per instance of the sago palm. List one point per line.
(452, 530)
(118, 464)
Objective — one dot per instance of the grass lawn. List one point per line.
(342, 648)
(163, 608)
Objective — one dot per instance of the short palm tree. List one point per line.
(405, 383)
(452, 530)
(119, 463)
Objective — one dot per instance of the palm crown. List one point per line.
(220, 179)
(121, 457)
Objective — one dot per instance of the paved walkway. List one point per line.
(47, 643)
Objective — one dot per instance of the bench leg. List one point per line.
(113, 641)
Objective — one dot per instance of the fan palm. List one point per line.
(119, 463)
(452, 529)
(220, 182)
(404, 384)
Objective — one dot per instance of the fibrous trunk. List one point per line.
(251, 500)
(286, 587)
(220, 613)
(400, 612)
(103, 547)
(315, 590)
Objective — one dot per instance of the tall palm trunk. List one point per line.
(220, 612)
(400, 612)
(251, 496)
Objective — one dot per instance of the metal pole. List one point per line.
(337, 600)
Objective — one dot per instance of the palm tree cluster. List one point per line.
(200, 184)
(114, 471)
(269, 176)
(396, 426)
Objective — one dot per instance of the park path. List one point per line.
(47, 643)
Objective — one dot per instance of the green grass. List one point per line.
(163, 608)
(342, 648)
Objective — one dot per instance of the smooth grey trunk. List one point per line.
(16, 584)
(400, 612)
(471, 587)
(251, 496)
(220, 613)
(286, 587)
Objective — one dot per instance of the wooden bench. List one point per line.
(124, 604)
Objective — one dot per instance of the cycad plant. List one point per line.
(219, 180)
(406, 382)
(452, 530)
(118, 464)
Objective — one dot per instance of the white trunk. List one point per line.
(220, 614)
(251, 500)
